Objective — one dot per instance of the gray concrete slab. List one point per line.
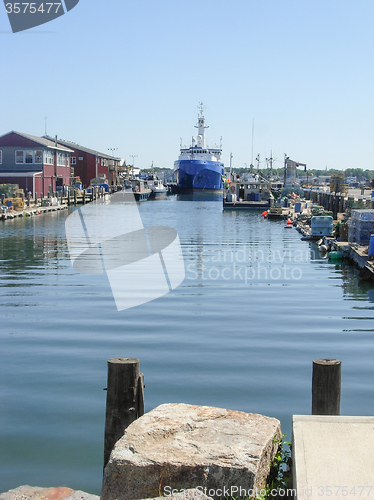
(333, 457)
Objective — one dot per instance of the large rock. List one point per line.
(179, 446)
(37, 493)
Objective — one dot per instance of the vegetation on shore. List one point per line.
(361, 174)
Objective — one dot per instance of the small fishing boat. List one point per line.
(140, 189)
(275, 213)
(247, 192)
(157, 187)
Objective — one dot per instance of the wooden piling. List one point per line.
(335, 205)
(140, 398)
(341, 204)
(326, 386)
(125, 399)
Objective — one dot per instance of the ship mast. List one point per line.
(201, 128)
(270, 162)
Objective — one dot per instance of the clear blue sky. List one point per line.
(130, 75)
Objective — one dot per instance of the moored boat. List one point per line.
(157, 187)
(199, 167)
(247, 192)
(140, 189)
(275, 213)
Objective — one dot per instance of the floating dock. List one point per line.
(39, 206)
(28, 212)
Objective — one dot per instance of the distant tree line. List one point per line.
(359, 173)
(153, 169)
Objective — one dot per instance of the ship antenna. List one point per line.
(253, 132)
(201, 118)
(269, 161)
(258, 161)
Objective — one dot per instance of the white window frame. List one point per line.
(15, 157)
(80, 158)
(61, 157)
(27, 152)
(73, 160)
(48, 157)
(41, 156)
(33, 155)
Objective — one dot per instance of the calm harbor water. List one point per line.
(256, 307)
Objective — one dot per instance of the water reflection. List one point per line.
(347, 275)
(201, 196)
(31, 243)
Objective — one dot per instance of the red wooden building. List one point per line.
(89, 164)
(36, 164)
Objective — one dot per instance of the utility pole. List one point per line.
(112, 150)
(285, 169)
(133, 161)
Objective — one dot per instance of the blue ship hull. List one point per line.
(198, 174)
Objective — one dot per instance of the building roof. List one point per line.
(43, 141)
(87, 150)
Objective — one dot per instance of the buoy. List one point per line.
(335, 255)
(289, 222)
(265, 214)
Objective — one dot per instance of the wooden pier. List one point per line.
(30, 211)
(339, 202)
(358, 255)
(55, 202)
(332, 455)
